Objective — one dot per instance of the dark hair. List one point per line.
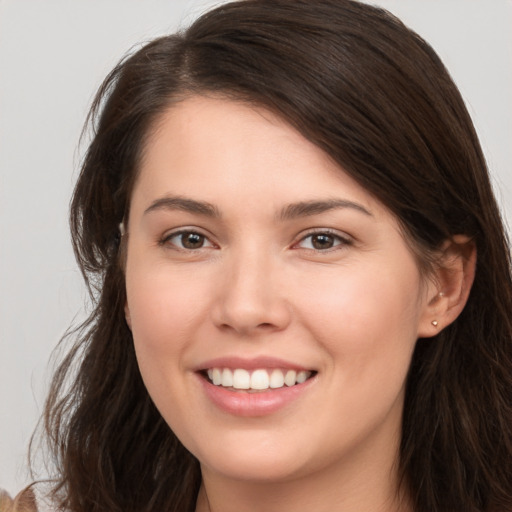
(376, 98)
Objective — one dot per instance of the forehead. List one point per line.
(219, 148)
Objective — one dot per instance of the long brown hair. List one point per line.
(376, 98)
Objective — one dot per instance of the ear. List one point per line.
(449, 287)
(127, 315)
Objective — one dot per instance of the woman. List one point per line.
(280, 216)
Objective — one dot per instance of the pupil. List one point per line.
(192, 240)
(322, 241)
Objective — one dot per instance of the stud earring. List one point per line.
(435, 323)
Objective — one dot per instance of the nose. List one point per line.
(251, 299)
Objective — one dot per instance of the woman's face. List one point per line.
(255, 261)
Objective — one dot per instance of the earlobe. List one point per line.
(450, 286)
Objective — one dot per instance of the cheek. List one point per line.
(163, 304)
(366, 324)
(366, 320)
(167, 309)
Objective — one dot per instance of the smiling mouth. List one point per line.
(239, 379)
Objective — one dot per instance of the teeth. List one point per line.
(290, 378)
(276, 379)
(227, 378)
(241, 379)
(260, 379)
(217, 376)
(302, 377)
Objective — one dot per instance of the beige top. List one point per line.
(31, 499)
(25, 501)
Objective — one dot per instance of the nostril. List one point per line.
(264, 326)
(234, 313)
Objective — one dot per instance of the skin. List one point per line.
(258, 287)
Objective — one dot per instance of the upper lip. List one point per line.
(251, 363)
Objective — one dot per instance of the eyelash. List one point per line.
(338, 241)
(166, 240)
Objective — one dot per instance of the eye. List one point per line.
(187, 240)
(322, 241)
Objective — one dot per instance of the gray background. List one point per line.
(53, 56)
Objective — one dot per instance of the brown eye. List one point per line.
(192, 240)
(187, 240)
(322, 241)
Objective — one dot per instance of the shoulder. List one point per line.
(30, 499)
(25, 501)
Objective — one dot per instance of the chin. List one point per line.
(253, 458)
(255, 470)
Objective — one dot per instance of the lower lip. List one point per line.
(261, 403)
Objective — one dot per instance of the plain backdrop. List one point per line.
(53, 56)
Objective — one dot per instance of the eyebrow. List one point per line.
(184, 204)
(289, 212)
(308, 208)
